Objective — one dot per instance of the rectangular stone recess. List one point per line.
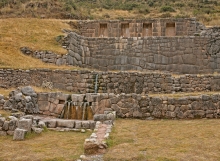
(147, 29)
(170, 29)
(103, 31)
(125, 30)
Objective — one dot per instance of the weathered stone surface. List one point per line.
(42, 96)
(78, 124)
(3, 133)
(51, 123)
(37, 130)
(2, 120)
(5, 126)
(85, 124)
(1, 97)
(11, 133)
(59, 108)
(19, 134)
(25, 124)
(28, 91)
(43, 105)
(12, 125)
(100, 117)
(66, 123)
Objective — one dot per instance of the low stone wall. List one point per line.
(46, 56)
(145, 107)
(109, 82)
(7, 126)
(203, 106)
(69, 125)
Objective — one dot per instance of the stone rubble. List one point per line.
(23, 99)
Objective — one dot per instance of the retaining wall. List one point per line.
(174, 54)
(143, 106)
(109, 82)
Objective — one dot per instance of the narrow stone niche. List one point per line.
(103, 31)
(170, 29)
(147, 29)
(125, 30)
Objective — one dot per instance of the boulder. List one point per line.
(41, 124)
(12, 125)
(5, 125)
(2, 120)
(28, 91)
(25, 124)
(19, 134)
(18, 97)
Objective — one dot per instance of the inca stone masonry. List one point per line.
(182, 46)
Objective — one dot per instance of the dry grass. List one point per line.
(165, 140)
(5, 113)
(38, 34)
(51, 145)
(6, 92)
(183, 94)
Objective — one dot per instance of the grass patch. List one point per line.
(5, 113)
(183, 94)
(164, 140)
(48, 146)
(6, 92)
(38, 34)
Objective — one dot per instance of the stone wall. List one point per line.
(186, 55)
(8, 125)
(146, 107)
(137, 106)
(109, 82)
(139, 28)
(182, 54)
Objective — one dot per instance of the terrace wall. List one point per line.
(109, 82)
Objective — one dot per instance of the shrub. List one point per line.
(180, 4)
(144, 11)
(129, 6)
(166, 9)
(150, 3)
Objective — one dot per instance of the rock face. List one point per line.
(23, 99)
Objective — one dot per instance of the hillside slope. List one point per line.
(206, 11)
(35, 33)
